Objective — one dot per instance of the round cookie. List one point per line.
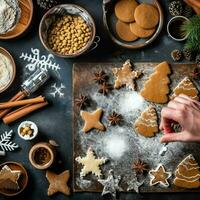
(124, 32)
(140, 32)
(146, 16)
(124, 10)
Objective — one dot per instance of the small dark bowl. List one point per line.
(110, 20)
(61, 10)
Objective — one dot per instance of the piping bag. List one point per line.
(29, 86)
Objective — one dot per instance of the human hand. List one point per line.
(185, 112)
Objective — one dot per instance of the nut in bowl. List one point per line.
(67, 30)
(27, 130)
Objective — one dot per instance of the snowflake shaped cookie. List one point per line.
(125, 76)
(159, 176)
(111, 184)
(91, 164)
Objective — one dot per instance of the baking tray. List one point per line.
(147, 149)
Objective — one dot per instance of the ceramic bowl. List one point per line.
(36, 150)
(61, 10)
(24, 21)
(23, 179)
(33, 127)
(173, 19)
(8, 55)
(110, 20)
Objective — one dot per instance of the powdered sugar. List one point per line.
(115, 145)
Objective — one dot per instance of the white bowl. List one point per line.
(33, 126)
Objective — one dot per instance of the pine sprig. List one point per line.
(5, 143)
(192, 29)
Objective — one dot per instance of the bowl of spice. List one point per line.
(42, 155)
(67, 30)
(15, 17)
(174, 28)
(27, 130)
(7, 69)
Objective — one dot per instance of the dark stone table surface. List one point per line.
(55, 122)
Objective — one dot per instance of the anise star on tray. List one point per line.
(100, 77)
(140, 167)
(82, 101)
(115, 118)
(104, 88)
(195, 74)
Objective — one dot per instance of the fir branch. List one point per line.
(192, 29)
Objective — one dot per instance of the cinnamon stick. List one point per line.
(23, 111)
(195, 8)
(20, 95)
(39, 99)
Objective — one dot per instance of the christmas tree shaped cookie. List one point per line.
(156, 88)
(186, 87)
(187, 174)
(147, 124)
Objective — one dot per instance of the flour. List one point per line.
(115, 145)
(9, 15)
(6, 71)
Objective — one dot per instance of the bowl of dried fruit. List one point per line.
(67, 30)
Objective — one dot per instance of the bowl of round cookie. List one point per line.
(67, 30)
(132, 24)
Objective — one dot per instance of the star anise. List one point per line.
(82, 101)
(104, 88)
(196, 73)
(115, 118)
(140, 167)
(100, 77)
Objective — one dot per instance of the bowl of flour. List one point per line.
(7, 69)
(15, 17)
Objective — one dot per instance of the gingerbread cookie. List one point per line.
(159, 176)
(156, 88)
(140, 32)
(91, 164)
(186, 87)
(124, 32)
(146, 16)
(124, 10)
(58, 183)
(125, 76)
(147, 124)
(187, 174)
(92, 120)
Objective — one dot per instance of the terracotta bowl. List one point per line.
(33, 155)
(7, 54)
(110, 20)
(61, 10)
(24, 21)
(23, 180)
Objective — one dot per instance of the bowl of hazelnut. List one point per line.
(67, 30)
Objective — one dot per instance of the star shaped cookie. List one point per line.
(58, 182)
(159, 175)
(125, 76)
(111, 184)
(92, 120)
(9, 178)
(91, 164)
(134, 184)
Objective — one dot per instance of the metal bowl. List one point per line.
(61, 10)
(110, 20)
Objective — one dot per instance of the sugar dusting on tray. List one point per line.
(115, 145)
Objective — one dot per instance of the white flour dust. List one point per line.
(115, 145)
